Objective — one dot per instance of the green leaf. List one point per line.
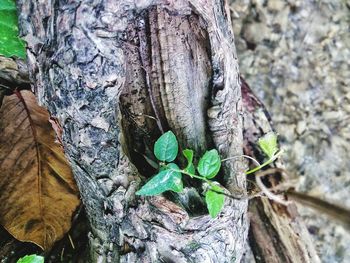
(188, 153)
(189, 156)
(209, 165)
(268, 144)
(215, 201)
(190, 169)
(7, 5)
(166, 147)
(165, 180)
(10, 43)
(31, 259)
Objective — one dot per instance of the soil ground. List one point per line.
(295, 56)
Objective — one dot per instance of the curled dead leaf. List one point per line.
(38, 194)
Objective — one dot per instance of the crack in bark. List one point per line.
(83, 93)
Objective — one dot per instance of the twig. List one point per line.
(71, 241)
(62, 252)
(266, 191)
(337, 212)
(145, 115)
(3, 86)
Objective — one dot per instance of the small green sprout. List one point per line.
(268, 145)
(169, 177)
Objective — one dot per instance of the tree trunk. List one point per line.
(117, 74)
(102, 68)
(276, 233)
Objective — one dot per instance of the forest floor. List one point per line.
(295, 56)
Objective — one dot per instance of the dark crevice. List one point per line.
(141, 100)
(266, 227)
(10, 86)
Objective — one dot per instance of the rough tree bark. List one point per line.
(103, 67)
(116, 74)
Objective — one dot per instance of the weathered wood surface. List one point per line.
(276, 233)
(101, 68)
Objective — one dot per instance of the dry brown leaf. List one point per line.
(38, 194)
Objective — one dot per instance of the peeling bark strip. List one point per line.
(173, 61)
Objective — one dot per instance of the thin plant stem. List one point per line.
(240, 156)
(211, 184)
(273, 158)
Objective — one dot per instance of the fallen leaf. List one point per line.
(38, 194)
